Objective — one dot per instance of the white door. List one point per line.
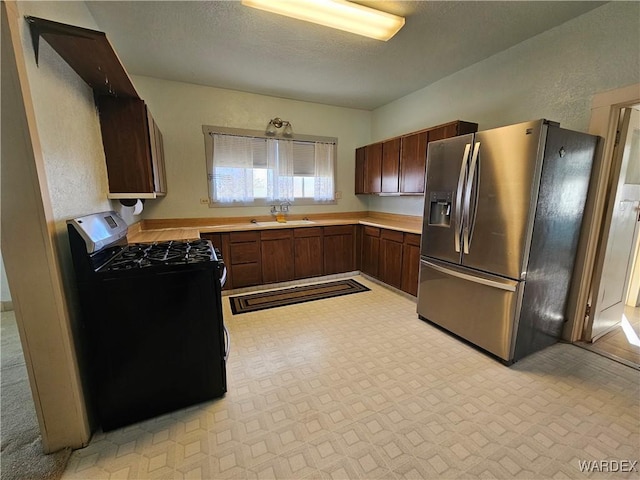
(611, 287)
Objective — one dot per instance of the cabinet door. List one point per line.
(413, 160)
(370, 250)
(214, 238)
(391, 257)
(157, 156)
(246, 275)
(373, 168)
(390, 165)
(133, 147)
(126, 142)
(444, 131)
(452, 129)
(339, 249)
(308, 252)
(410, 263)
(360, 167)
(220, 242)
(244, 258)
(277, 255)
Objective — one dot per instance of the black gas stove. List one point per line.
(143, 255)
(152, 318)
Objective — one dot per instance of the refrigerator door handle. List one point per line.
(509, 287)
(458, 211)
(468, 228)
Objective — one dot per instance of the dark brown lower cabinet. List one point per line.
(245, 259)
(220, 241)
(339, 249)
(391, 257)
(277, 255)
(280, 255)
(370, 250)
(308, 252)
(410, 263)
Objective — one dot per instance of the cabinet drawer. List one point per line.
(392, 235)
(275, 234)
(245, 253)
(371, 231)
(246, 275)
(338, 230)
(250, 236)
(307, 232)
(412, 239)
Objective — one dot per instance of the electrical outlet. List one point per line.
(338, 195)
(204, 201)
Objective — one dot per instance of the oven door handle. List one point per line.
(223, 278)
(227, 342)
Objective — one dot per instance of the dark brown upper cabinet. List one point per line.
(369, 169)
(360, 166)
(373, 168)
(132, 141)
(413, 160)
(132, 147)
(390, 166)
(88, 52)
(398, 165)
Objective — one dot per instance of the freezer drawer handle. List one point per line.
(458, 216)
(471, 278)
(468, 228)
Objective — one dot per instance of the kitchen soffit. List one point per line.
(224, 44)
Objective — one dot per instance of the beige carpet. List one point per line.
(21, 455)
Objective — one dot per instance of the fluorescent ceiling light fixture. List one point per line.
(338, 14)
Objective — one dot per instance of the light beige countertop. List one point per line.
(159, 230)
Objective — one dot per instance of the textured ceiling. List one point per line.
(225, 44)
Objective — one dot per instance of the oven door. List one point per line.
(158, 340)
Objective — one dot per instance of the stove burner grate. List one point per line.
(163, 253)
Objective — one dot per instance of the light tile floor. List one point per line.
(359, 387)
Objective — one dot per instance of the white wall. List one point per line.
(180, 110)
(553, 75)
(68, 126)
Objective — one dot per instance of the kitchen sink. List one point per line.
(288, 222)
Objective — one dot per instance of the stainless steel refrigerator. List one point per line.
(502, 218)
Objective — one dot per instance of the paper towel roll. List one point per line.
(131, 207)
(137, 208)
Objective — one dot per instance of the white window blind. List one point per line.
(243, 169)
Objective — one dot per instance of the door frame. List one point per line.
(591, 332)
(37, 290)
(605, 112)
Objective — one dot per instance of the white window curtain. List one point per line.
(243, 169)
(233, 162)
(280, 168)
(324, 187)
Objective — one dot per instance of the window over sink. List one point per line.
(246, 167)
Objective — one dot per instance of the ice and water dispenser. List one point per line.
(440, 209)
